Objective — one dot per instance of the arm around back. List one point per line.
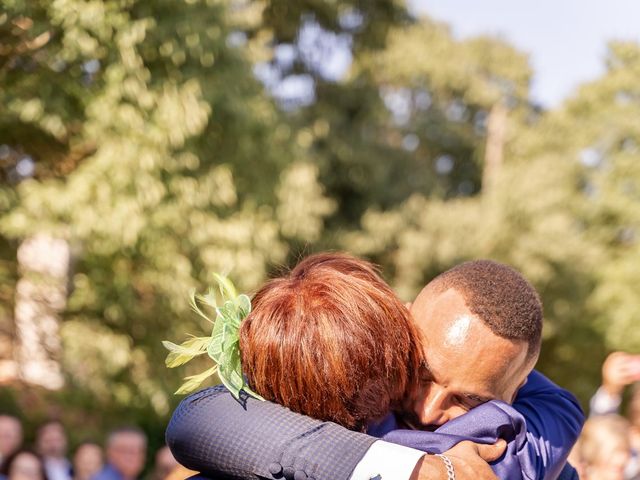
(213, 433)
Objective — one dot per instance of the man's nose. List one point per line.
(432, 408)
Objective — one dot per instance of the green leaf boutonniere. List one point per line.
(223, 346)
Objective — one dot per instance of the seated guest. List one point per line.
(126, 452)
(313, 344)
(51, 444)
(620, 371)
(87, 461)
(165, 464)
(10, 435)
(23, 465)
(604, 450)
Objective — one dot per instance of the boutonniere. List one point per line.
(223, 346)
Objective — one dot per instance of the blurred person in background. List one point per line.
(126, 451)
(10, 435)
(87, 461)
(51, 444)
(634, 429)
(165, 464)
(23, 465)
(619, 371)
(603, 450)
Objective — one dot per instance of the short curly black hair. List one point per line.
(500, 296)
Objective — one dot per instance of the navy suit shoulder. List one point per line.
(568, 473)
(215, 434)
(108, 473)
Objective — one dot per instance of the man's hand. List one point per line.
(619, 370)
(469, 462)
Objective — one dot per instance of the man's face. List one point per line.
(10, 435)
(87, 461)
(467, 364)
(26, 466)
(126, 453)
(52, 441)
(165, 462)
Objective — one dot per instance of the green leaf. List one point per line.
(231, 373)
(217, 339)
(227, 289)
(181, 354)
(194, 381)
(223, 346)
(229, 313)
(243, 304)
(210, 299)
(194, 306)
(252, 393)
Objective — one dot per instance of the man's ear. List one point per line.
(522, 384)
(515, 393)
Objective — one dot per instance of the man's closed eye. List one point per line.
(469, 400)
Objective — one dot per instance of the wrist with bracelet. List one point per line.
(451, 473)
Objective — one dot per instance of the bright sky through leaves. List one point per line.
(566, 39)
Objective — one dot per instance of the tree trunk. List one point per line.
(41, 294)
(494, 151)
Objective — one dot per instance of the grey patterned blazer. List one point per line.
(296, 439)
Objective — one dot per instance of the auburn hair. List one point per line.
(331, 340)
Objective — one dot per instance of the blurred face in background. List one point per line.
(604, 448)
(87, 461)
(165, 463)
(51, 440)
(634, 417)
(126, 452)
(611, 464)
(10, 435)
(26, 466)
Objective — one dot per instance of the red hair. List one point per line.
(331, 340)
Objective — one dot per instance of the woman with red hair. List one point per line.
(331, 340)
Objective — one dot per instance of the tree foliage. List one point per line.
(168, 140)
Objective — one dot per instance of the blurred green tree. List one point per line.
(162, 141)
(562, 208)
(159, 159)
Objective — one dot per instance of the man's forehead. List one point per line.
(457, 332)
(465, 355)
(433, 307)
(127, 438)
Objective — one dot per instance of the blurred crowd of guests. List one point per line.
(123, 457)
(609, 446)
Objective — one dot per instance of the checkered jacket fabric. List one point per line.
(213, 433)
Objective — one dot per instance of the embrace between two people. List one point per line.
(452, 375)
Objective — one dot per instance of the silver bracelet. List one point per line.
(451, 473)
